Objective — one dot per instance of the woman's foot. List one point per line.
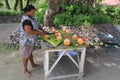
(27, 74)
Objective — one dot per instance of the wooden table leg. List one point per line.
(80, 64)
(83, 53)
(46, 64)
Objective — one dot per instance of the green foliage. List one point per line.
(41, 11)
(77, 9)
(112, 11)
(76, 15)
(1, 4)
(9, 13)
(100, 19)
(4, 49)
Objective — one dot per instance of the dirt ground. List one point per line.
(6, 29)
(102, 65)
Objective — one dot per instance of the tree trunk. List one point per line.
(93, 3)
(7, 4)
(53, 8)
(21, 5)
(16, 4)
(27, 3)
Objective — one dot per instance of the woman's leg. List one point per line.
(32, 61)
(25, 63)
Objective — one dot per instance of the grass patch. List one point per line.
(4, 49)
(9, 13)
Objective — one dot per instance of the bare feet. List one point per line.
(27, 74)
(35, 65)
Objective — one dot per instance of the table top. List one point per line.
(57, 43)
(48, 46)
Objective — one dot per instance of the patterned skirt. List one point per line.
(26, 51)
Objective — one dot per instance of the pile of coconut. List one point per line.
(91, 32)
(88, 32)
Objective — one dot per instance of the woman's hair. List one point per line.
(27, 22)
(29, 8)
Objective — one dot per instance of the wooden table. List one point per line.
(79, 63)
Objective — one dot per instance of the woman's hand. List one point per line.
(42, 33)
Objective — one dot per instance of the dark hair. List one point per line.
(29, 8)
(27, 22)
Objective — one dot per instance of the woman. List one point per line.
(29, 30)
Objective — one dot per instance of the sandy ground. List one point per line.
(102, 65)
(6, 30)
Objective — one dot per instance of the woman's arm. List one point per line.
(29, 30)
